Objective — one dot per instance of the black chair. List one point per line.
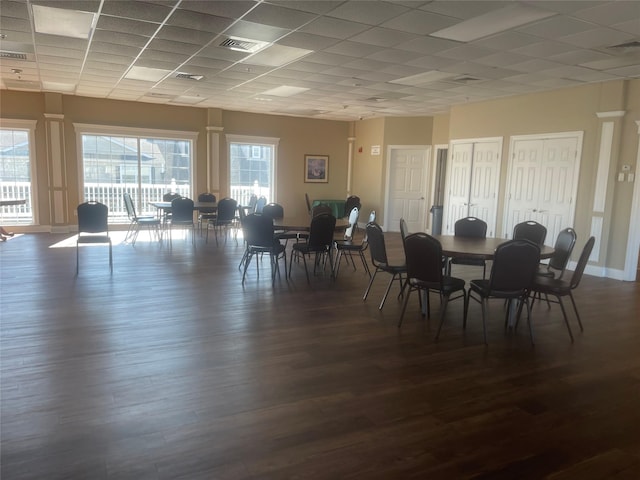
(276, 211)
(306, 198)
(260, 203)
(166, 213)
(352, 201)
(182, 216)
(251, 206)
(225, 218)
(206, 214)
(562, 288)
(530, 230)
(562, 250)
(350, 247)
(378, 249)
(319, 243)
(346, 240)
(469, 227)
(93, 228)
(423, 255)
(404, 230)
(321, 209)
(259, 237)
(151, 223)
(515, 263)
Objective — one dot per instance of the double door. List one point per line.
(473, 179)
(543, 181)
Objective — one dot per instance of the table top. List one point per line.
(6, 203)
(453, 246)
(196, 205)
(303, 222)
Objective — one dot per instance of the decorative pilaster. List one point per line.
(633, 242)
(213, 159)
(56, 160)
(603, 191)
(350, 163)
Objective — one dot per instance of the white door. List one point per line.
(407, 192)
(543, 182)
(472, 182)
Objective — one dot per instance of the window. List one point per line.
(252, 167)
(16, 171)
(146, 164)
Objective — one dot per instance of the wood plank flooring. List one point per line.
(172, 369)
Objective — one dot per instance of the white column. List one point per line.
(56, 160)
(213, 160)
(633, 243)
(350, 164)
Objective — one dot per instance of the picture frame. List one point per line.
(316, 168)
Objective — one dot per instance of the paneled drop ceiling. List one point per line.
(340, 60)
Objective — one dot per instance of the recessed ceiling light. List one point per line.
(187, 99)
(146, 74)
(58, 87)
(60, 21)
(277, 55)
(284, 91)
(492, 22)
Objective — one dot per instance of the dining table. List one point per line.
(302, 223)
(483, 248)
(9, 203)
(196, 205)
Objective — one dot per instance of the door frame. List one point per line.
(579, 135)
(425, 184)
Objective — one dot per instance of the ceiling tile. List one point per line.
(334, 28)
(144, 11)
(370, 13)
(126, 25)
(383, 37)
(420, 22)
(556, 27)
(277, 16)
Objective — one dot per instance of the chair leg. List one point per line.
(384, 298)
(306, 271)
(566, 320)
(366, 292)
(444, 310)
(485, 308)
(110, 258)
(526, 301)
(404, 306)
(575, 308)
(365, 264)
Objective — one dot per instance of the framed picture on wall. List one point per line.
(316, 168)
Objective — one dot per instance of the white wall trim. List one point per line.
(633, 241)
(250, 139)
(611, 114)
(95, 129)
(604, 163)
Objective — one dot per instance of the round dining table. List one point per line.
(483, 248)
(303, 222)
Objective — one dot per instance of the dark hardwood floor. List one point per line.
(171, 369)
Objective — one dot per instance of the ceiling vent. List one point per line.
(14, 55)
(188, 76)
(243, 44)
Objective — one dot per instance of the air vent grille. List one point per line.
(243, 44)
(189, 76)
(13, 55)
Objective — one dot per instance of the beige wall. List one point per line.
(571, 109)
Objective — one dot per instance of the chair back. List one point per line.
(242, 213)
(306, 198)
(562, 249)
(258, 230)
(515, 264)
(169, 196)
(321, 231)
(181, 210)
(321, 209)
(377, 246)
(424, 257)
(353, 222)
(470, 227)
(530, 230)
(352, 201)
(93, 217)
(207, 197)
(582, 263)
(128, 203)
(404, 230)
(372, 216)
(253, 199)
(227, 209)
(273, 210)
(260, 203)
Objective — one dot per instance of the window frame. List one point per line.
(272, 142)
(30, 127)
